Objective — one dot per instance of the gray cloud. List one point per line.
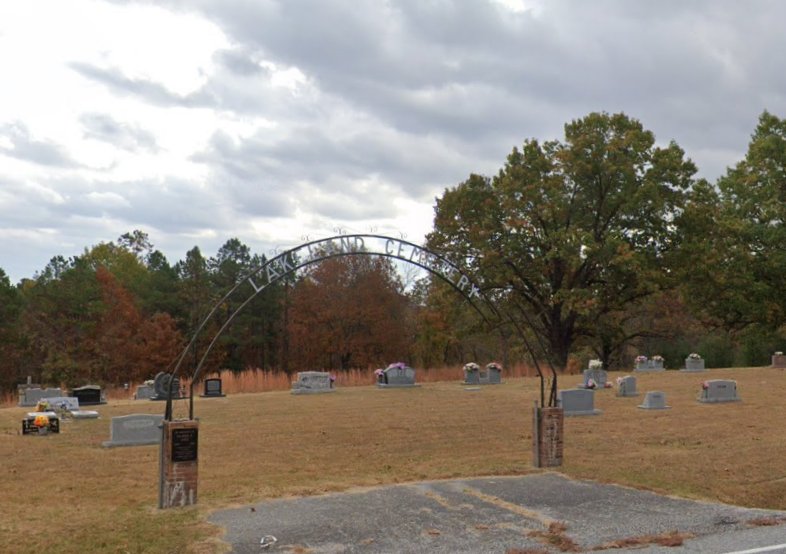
(127, 136)
(20, 145)
(399, 99)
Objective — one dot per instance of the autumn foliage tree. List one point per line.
(349, 312)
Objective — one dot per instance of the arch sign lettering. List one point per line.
(290, 261)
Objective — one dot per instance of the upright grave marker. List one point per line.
(577, 402)
(31, 396)
(134, 430)
(89, 395)
(626, 386)
(398, 375)
(694, 362)
(213, 388)
(654, 400)
(718, 390)
(313, 382)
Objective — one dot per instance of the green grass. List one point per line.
(65, 493)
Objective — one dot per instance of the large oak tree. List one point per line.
(571, 232)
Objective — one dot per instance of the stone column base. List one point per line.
(179, 461)
(547, 435)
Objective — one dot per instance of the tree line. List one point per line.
(602, 244)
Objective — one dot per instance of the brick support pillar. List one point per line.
(179, 461)
(547, 433)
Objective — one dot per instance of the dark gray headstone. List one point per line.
(29, 427)
(213, 388)
(577, 402)
(134, 430)
(89, 395)
(162, 384)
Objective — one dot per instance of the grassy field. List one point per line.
(65, 493)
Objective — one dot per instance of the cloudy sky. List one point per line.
(270, 120)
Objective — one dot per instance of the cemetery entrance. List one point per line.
(178, 463)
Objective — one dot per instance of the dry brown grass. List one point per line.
(66, 493)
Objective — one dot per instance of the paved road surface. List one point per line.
(496, 514)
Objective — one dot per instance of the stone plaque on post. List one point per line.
(547, 436)
(179, 464)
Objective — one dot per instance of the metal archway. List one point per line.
(315, 251)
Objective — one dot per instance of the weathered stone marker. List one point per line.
(312, 382)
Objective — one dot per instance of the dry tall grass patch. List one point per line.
(66, 493)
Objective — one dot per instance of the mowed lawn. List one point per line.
(66, 493)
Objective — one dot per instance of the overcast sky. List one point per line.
(202, 120)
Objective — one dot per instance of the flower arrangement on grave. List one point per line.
(496, 366)
(657, 358)
(471, 366)
(332, 380)
(621, 380)
(591, 384)
(150, 382)
(694, 356)
(41, 421)
(43, 406)
(379, 373)
(779, 353)
(397, 365)
(641, 359)
(705, 385)
(595, 364)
